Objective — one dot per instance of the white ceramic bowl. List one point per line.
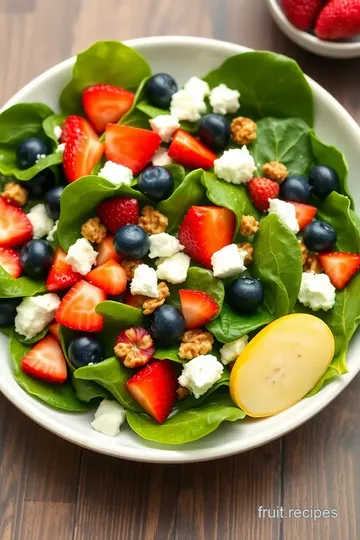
(345, 49)
(184, 57)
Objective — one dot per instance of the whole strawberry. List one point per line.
(302, 13)
(339, 19)
(261, 190)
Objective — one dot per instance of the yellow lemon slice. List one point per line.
(281, 364)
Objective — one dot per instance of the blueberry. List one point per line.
(8, 310)
(36, 258)
(245, 294)
(85, 350)
(167, 325)
(295, 188)
(159, 90)
(131, 242)
(40, 184)
(323, 180)
(157, 183)
(214, 131)
(52, 201)
(29, 151)
(319, 236)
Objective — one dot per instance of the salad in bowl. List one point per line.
(175, 257)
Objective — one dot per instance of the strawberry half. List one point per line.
(15, 228)
(61, 275)
(106, 251)
(129, 146)
(104, 104)
(154, 388)
(339, 266)
(206, 229)
(110, 277)
(198, 308)
(304, 213)
(134, 347)
(54, 329)
(76, 124)
(46, 361)
(115, 213)
(80, 156)
(10, 261)
(190, 152)
(77, 308)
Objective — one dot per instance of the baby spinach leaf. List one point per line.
(335, 210)
(277, 263)
(16, 288)
(169, 353)
(200, 279)
(28, 174)
(251, 72)
(49, 125)
(229, 326)
(191, 401)
(108, 62)
(186, 426)
(33, 340)
(117, 317)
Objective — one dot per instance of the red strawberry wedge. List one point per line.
(115, 213)
(302, 13)
(304, 214)
(340, 267)
(80, 156)
(10, 261)
(205, 230)
(198, 308)
(104, 104)
(76, 124)
(106, 251)
(129, 146)
(54, 329)
(154, 388)
(61, 275)
(15, 228)
(190, 152)
(46, 361)
(110, 277)
(77, 308)
(339, 19)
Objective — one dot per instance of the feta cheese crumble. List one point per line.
(161, 157)
(224, 100)
(230, 351)
(197, 87)
(187, 106)
(286, 212)
(116, 174)
(41, 222)
(316, 291)
(35, 313)
(61, 148)
(173, 269)
(145, 281)
(165, 126)
(235, 166)
(81, 256)
(164, 245)
(50, 237)
(57, 132)
(109, 416)
(228, 261)
(200, 374)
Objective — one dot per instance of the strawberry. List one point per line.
(304, 213)
(198, 308)
(80, 156)
(15, 228)
(46, 361)
(130, 146)
(340, 267)
(206, 229)
(134, 300)
(61, 275)
(106, 251)
(154, 388)
(110, 277)
(76, 124)
(104, 103)
(115, 213)
(54, 329)
(10, 261)
(261, 190)
(302, 13)
(134, 347)
(339, 19)
(190, 152)
(77, 308)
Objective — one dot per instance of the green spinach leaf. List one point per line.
(33, 340)
(191, 401)
(169, 353)
(117, 317)
(229, 326)
(49, 125)
(335, 210)
(20, 287)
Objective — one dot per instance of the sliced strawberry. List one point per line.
(61, 275)
(190, 152)
(77, 308)
(54, 329)
(46, 361)
(80, 156)
(304, 214)
(104, 104)
(154, 388)
(115, 213)
(206, 229)
(106, 251)
(198, 308)
(339, 266)
(110, 277)
(129, 146)
(134, 347)
(134, 300)
(10, 261)
(15, 228)
(76, 124)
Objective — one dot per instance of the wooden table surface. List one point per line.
(53, 490)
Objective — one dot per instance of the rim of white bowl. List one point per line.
(30, 407)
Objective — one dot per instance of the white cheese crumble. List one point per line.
(61, 148)
(228, 261)
(187, 106)
(163, 245)
(161, 157)
(50, 237)
(235, 166)
(57, 132)
(109, 416)
(116, 174)
(286, 212)
(224, 100)
(197, 87)
(41, 222)
(199, 374)
(165, 126)
(145, 281)
(316, 291)
(173, 269)
(35, 313)
(81, 256)
(230, 351)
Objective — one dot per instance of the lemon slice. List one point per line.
(281, 364)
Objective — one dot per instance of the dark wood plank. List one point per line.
(47, 520)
